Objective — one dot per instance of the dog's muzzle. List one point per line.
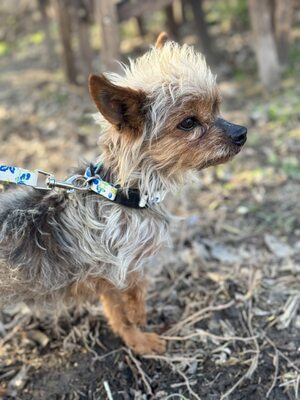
(237, 133)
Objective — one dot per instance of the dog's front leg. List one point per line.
(123, 319)
(134, 299)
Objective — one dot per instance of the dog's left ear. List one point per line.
(121, 106)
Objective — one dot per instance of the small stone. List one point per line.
(242, 210)
(297, 322)
(192, 368)
(2, 329)
(201, 250)
(161, 395)
(297, 246)
(14, 309)
(18, 382)
(224, 254)
(277, 247)
(193, 220)
(38, 337)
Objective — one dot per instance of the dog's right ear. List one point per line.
(121, 106)
(161, 40)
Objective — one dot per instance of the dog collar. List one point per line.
(92, 182)
(129, 198)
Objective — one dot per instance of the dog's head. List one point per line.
(164, 115)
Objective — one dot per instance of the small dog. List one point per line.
(160, 124)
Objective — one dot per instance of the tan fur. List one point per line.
(125, 310)
(118, 312)
(161, 40)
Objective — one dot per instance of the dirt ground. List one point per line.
(226, 294)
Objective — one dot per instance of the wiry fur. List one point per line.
(48, 242)
(57, 245)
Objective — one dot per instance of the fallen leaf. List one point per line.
(224, 254)
(38, 337)
(277, 247)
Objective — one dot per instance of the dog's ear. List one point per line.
(121, 106)
(161, 40)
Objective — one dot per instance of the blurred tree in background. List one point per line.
(271, 24)
(237, 244)
(82, 27)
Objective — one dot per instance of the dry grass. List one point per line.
(226, 296)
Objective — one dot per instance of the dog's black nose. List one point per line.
(237, 133)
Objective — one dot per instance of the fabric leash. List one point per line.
(19, 176)
(92, 181)
(42, 180)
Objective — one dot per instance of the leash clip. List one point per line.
(42, 182)
(51, 183)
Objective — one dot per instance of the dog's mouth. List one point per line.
(231, 141)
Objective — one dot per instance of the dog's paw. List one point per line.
(146, 343)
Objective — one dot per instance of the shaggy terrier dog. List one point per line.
(160, 124)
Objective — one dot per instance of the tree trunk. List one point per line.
(42, 4)
(141, 26)
(282, 23)
(201, 27)
(110, 40)
(81, 11)
(264, 42)
(183, 11)
(64, 23)
(172, 27)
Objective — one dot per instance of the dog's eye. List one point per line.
(188, 124)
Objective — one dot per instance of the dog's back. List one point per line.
(50, 241)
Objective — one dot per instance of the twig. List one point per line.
(297, 384)
(290, 310)
(276, 364)
(179, 384)
(133, 369)
(246, 375)
(100, 358)
(282, 354)
(19, 381)
(108, 391)
(288, 383)
(14, 330)
(171, 361)
(250, 315)
(194, 318)
(254, 360)
(175, 283)
(187, 383)
(279, 353)
(141, 372)
(201, 332)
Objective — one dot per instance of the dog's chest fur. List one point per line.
(50, 241)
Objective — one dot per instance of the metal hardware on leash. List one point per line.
(51, 183)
